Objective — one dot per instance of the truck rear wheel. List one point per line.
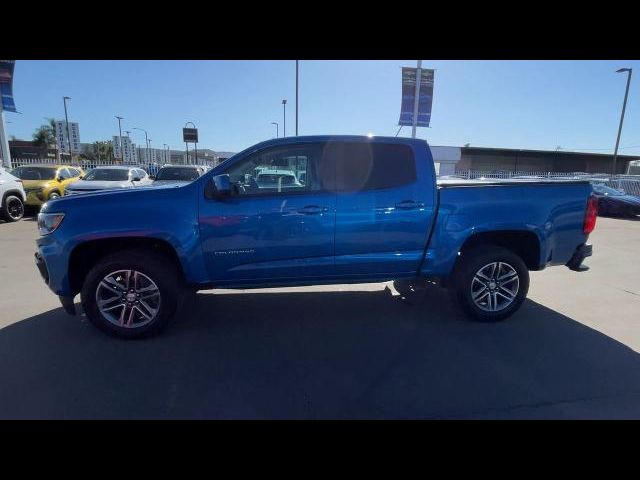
(131, 294)
(491, 283)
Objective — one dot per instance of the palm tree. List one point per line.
(103, 150)
(44, 136)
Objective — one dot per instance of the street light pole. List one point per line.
(146, 141)
(120, 138)
(284, 118)
(164, 151)
(624, 107)
(417, 99)
(66, 117)
(296, 98)
(276, 124)
(132, 155)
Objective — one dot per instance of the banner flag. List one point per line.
(409, 95)
(6, 85)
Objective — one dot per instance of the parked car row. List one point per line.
(33, 185)
(12, 197)
(615, 202)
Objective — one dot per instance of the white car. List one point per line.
(12, 197)
(109, 178)
(178, 174)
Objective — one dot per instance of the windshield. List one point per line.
(34, 173)
(177, 173)
(107, 174)
(604, 190)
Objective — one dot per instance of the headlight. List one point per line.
(48, 222)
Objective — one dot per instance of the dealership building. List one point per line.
(448, 160)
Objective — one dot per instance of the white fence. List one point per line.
(629, 183)
(150, 168)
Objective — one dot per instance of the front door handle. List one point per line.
(409, 205)
(312, 210)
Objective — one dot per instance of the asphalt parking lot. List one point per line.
(333, 352)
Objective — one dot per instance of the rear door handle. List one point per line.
(409, 205)
(312, 210)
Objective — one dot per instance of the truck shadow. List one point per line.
(356, 354)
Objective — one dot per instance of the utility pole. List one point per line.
(296, 98)
(276, 124)
(417, 99)
(146, 142)
(120, 138)
(624, 107)
(284, 118)
(66, 117)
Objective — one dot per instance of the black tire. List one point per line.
(13, 208)
(53, 195)
(151, 264)
(470, 263)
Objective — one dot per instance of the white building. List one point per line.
(445, 159)
(158, 156)
(62, 139)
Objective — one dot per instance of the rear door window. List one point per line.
(368, 166)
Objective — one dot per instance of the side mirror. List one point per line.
(152, 177)
(218, 187)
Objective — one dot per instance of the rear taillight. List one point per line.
(590, 215)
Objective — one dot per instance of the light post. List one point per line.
(132, 155)
(416, 101)
(276, 124)
(168, 154)
(296, 98)
(624, 107)
(146, 138)
(164, 152)
(66, 117)
(284, 118)
(120, 138)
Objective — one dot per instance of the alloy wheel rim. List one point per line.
(15, 209)
(495, 286)
(128, 298)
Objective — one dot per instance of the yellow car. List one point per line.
(45, 182)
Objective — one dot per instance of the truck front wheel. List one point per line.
(131, 294)
(491, 283)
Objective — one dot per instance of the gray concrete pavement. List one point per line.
(334, 352)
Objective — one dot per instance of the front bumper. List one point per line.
(42, 267)
(33, 200)
(583, 251)
(65, 300)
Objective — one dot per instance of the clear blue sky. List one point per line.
(513, 104)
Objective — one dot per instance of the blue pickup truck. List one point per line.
(336, 209)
